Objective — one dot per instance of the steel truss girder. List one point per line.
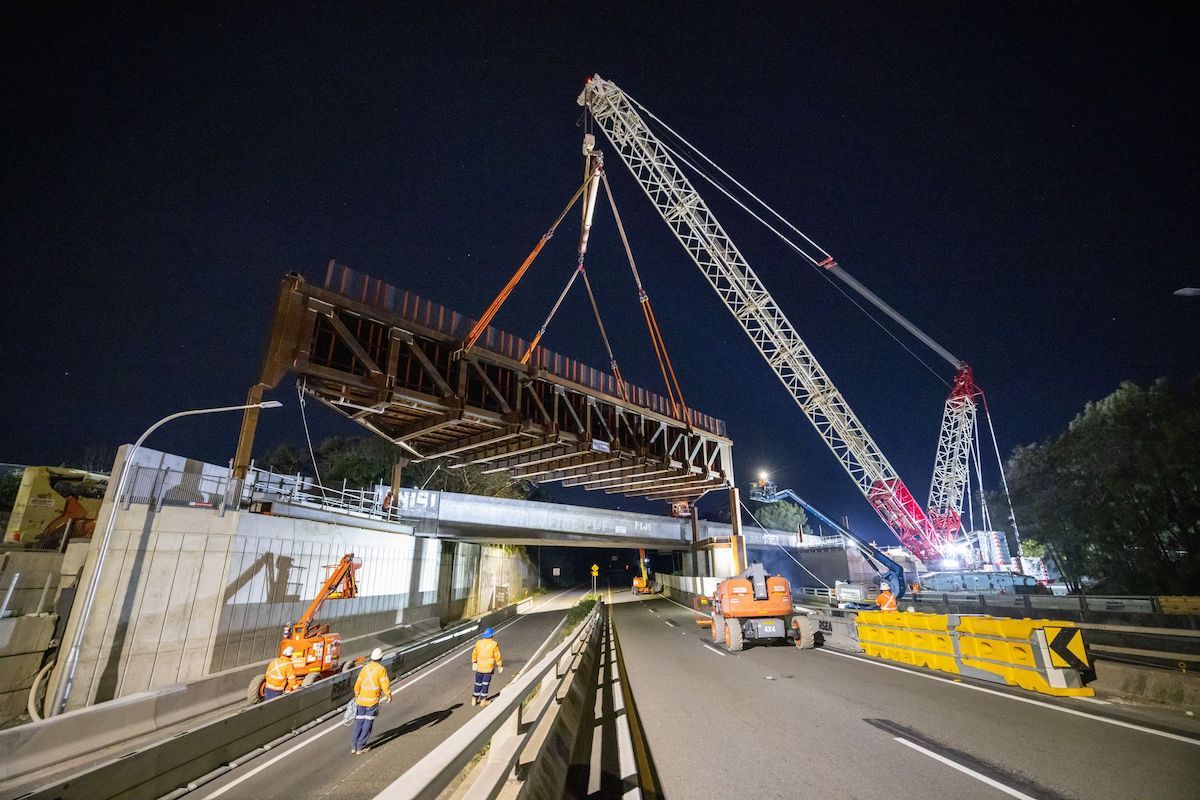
(747, 299)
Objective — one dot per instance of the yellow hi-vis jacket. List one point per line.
(372, 682)
(486, 656)
(886, 601)
(281, 675)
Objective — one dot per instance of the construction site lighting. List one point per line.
(63, 690)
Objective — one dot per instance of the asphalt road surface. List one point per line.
(775, 721)
(427, 707)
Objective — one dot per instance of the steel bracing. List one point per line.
(394, 363)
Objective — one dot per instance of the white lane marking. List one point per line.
(681, 605)
(714, 650)
(668, 622)
(1028, 700)
(1094, 700)
(447, 659)
(1008, 790)
(266, 764)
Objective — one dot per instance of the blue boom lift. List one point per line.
(890, 572)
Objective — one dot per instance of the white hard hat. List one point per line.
(287, 651)
(376, 654)
(885, 587)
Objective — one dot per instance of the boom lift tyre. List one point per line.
(734, 641)
(718, 628)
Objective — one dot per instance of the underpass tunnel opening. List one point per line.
(564, 567)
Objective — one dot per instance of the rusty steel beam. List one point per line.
(530, 459)
(649, 475)
(545, 474)
(394, 363)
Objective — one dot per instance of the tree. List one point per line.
(783, 516)
(1115, 500)
(10, 484)
(364, 461)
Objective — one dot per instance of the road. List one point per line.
(428, 706)
(774, 721)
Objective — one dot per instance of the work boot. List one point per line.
(474, 700)
(484, 702)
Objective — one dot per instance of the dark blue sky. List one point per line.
(1021, 180)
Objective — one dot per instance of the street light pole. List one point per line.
(63, 691)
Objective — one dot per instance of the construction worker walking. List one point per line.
(484, 659)
(280, 677)
(886, 600)
(372, 683)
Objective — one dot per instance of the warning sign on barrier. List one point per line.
(1066, 648)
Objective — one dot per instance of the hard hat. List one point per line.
(488, 633)
(287, 651)
(376, 654)
(885, 587)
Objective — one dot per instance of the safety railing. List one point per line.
(1082, 603)
(158, 487)
(416, 507)
(22, 593)
(1046, 656)
(512, 728)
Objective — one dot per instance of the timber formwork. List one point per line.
(393, 362)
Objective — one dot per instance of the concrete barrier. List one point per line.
(158, 768)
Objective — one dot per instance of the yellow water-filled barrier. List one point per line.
(1041, 655)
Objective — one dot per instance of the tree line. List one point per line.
(364, 461)
(1114, 500)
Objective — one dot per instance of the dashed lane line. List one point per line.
(1108, 720)
(447, 659)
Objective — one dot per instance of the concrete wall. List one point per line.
(186, 592)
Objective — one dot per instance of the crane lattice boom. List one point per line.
(739, 288)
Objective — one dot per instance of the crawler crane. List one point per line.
(929, 532)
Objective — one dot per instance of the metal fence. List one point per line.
(159, 487)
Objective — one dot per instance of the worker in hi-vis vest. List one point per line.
(886, 600)
(485, 658)
(281, 675)
(372, 684)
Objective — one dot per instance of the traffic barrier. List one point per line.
(1179, 604)
(155, 770)
(1046, 656)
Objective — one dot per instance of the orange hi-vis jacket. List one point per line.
(281, 675)
(486, 655)
(372, 682)
(886, 601)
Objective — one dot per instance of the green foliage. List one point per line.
(1115, 499)
(578, 613)
(10, 482)
(783, 516)
(363, 461)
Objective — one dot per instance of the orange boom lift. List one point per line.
(756, 605)
(316, 650)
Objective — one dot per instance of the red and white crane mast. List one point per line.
(683, 209)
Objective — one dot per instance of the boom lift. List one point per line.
(757, 606)
(928, 534)
(852, 594)
(316, 650)
(641, 583)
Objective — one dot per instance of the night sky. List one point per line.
(1019, 179)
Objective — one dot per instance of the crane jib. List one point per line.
(743, 294)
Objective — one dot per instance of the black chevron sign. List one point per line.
(1066, 648)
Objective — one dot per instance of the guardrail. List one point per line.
(544, 703)
(200, 754)
(1082, 603)
(1046, 656)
